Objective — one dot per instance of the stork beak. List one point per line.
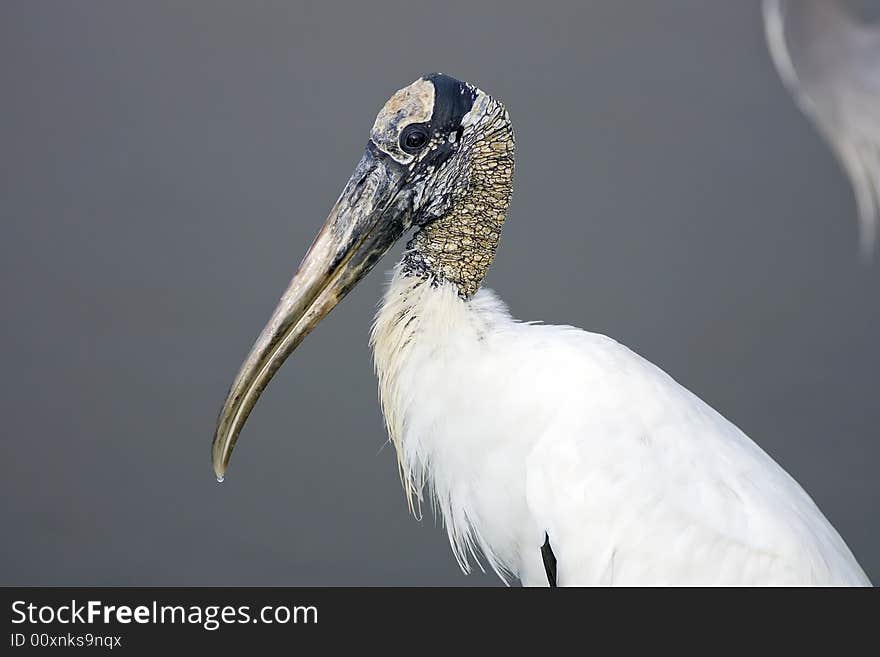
(372, 212)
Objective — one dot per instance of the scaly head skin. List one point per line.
(470, 196)
(440, 158)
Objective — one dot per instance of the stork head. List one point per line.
(439, 157)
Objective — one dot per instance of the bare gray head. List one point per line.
(440, 159)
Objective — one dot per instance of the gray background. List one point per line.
(165, 165)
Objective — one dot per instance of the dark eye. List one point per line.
(414, 138)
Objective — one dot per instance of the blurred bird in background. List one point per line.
(829, 60)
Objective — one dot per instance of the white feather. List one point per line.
(520, 429)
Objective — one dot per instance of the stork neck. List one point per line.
(459, 246)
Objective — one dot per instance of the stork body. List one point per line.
(527, 432)
(560, 455)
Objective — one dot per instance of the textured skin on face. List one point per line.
(474, 186)
(412, 104)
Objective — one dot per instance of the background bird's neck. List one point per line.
(459, 246)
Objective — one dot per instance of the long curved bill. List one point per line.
(371, 214)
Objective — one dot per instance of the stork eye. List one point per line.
(414, 139)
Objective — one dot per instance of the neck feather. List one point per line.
(419, 325)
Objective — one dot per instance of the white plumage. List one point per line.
(522, 428)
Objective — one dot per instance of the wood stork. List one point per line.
(560, 455)
(830, 62)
